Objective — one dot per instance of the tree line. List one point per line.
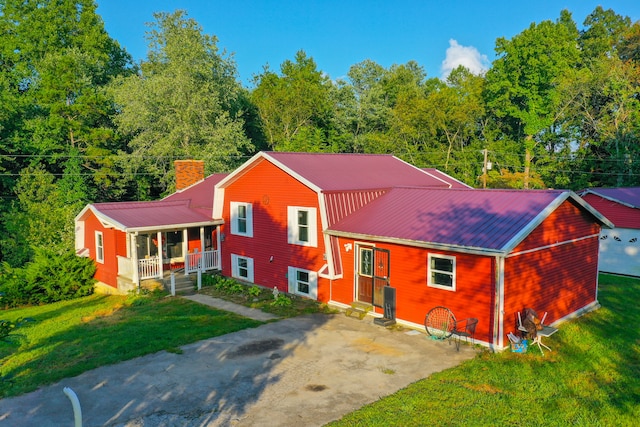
(81, 122)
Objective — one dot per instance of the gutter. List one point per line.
(418, 243)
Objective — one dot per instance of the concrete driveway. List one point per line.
(304, 371)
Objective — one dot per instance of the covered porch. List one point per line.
(151, 253)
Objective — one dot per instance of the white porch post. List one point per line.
(160, 253)
(219, 247)
(134, 259)
(185, 248)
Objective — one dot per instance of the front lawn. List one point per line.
(591, 378)
(70, 337)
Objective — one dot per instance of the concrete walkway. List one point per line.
(221, 304)
(303, 371)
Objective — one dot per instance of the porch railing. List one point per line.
(149, 268)
(203, 261)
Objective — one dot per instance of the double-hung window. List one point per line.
(241, 219)
(242, 268)
(441, 272)
(302, 228)
(303, 282)
(99, 247)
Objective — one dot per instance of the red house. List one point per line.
(620, 246)
(134, 241)
(343, 228)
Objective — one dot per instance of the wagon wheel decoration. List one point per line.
(439, 322)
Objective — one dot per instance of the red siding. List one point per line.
(475, 287)
(559, 280)
(114, 244)
(271, 191)
(565, 223)
(620, 215)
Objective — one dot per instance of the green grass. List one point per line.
(71, 337)
(591, 378)
(262, 299)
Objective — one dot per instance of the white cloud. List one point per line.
(468, 56)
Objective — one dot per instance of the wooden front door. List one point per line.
(372, 274)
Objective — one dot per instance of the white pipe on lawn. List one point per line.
(77, 411)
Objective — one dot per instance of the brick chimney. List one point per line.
(188, 172)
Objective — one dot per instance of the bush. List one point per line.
(48, 278)
(281, 301)
(254, 291)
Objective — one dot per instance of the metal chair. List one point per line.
(464, 328)
(440, 322)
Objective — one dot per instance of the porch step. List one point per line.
(360, 309)
(184, 284)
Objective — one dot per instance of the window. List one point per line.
(303, 282)
(302, 228)
(99, 247)
(242, 268)
(441, 272)
(242, 219)
(366, 262)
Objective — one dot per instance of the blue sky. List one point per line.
(338, 34)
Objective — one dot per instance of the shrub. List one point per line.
(254, 291)
(281, 301)
(48, 278)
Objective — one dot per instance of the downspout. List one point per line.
(498, 318)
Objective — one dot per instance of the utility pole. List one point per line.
(484, 169)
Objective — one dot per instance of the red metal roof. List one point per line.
(147, 215)
(200, 195)
(193, 205)
(467, 218)
(330, 172)
(620, 205)
(451, 180)
(629, 196)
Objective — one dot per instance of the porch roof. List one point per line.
(151, 216)
(484, 221)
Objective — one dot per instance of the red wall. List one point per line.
(475, 285)
(114, 244)
(565, 223)
(559, 279)
(271, 191)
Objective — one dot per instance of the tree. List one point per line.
(42, 216)
(295, 107)
(522, 86)
(182, 104)
(55, 59)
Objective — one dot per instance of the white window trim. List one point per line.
(234, 218)
(452, 273)
(235, 270)
(292, 226)
(99, 247)
(313, 282)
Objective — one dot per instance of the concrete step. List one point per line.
(360, 309)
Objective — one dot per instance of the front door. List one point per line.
(372, 274)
